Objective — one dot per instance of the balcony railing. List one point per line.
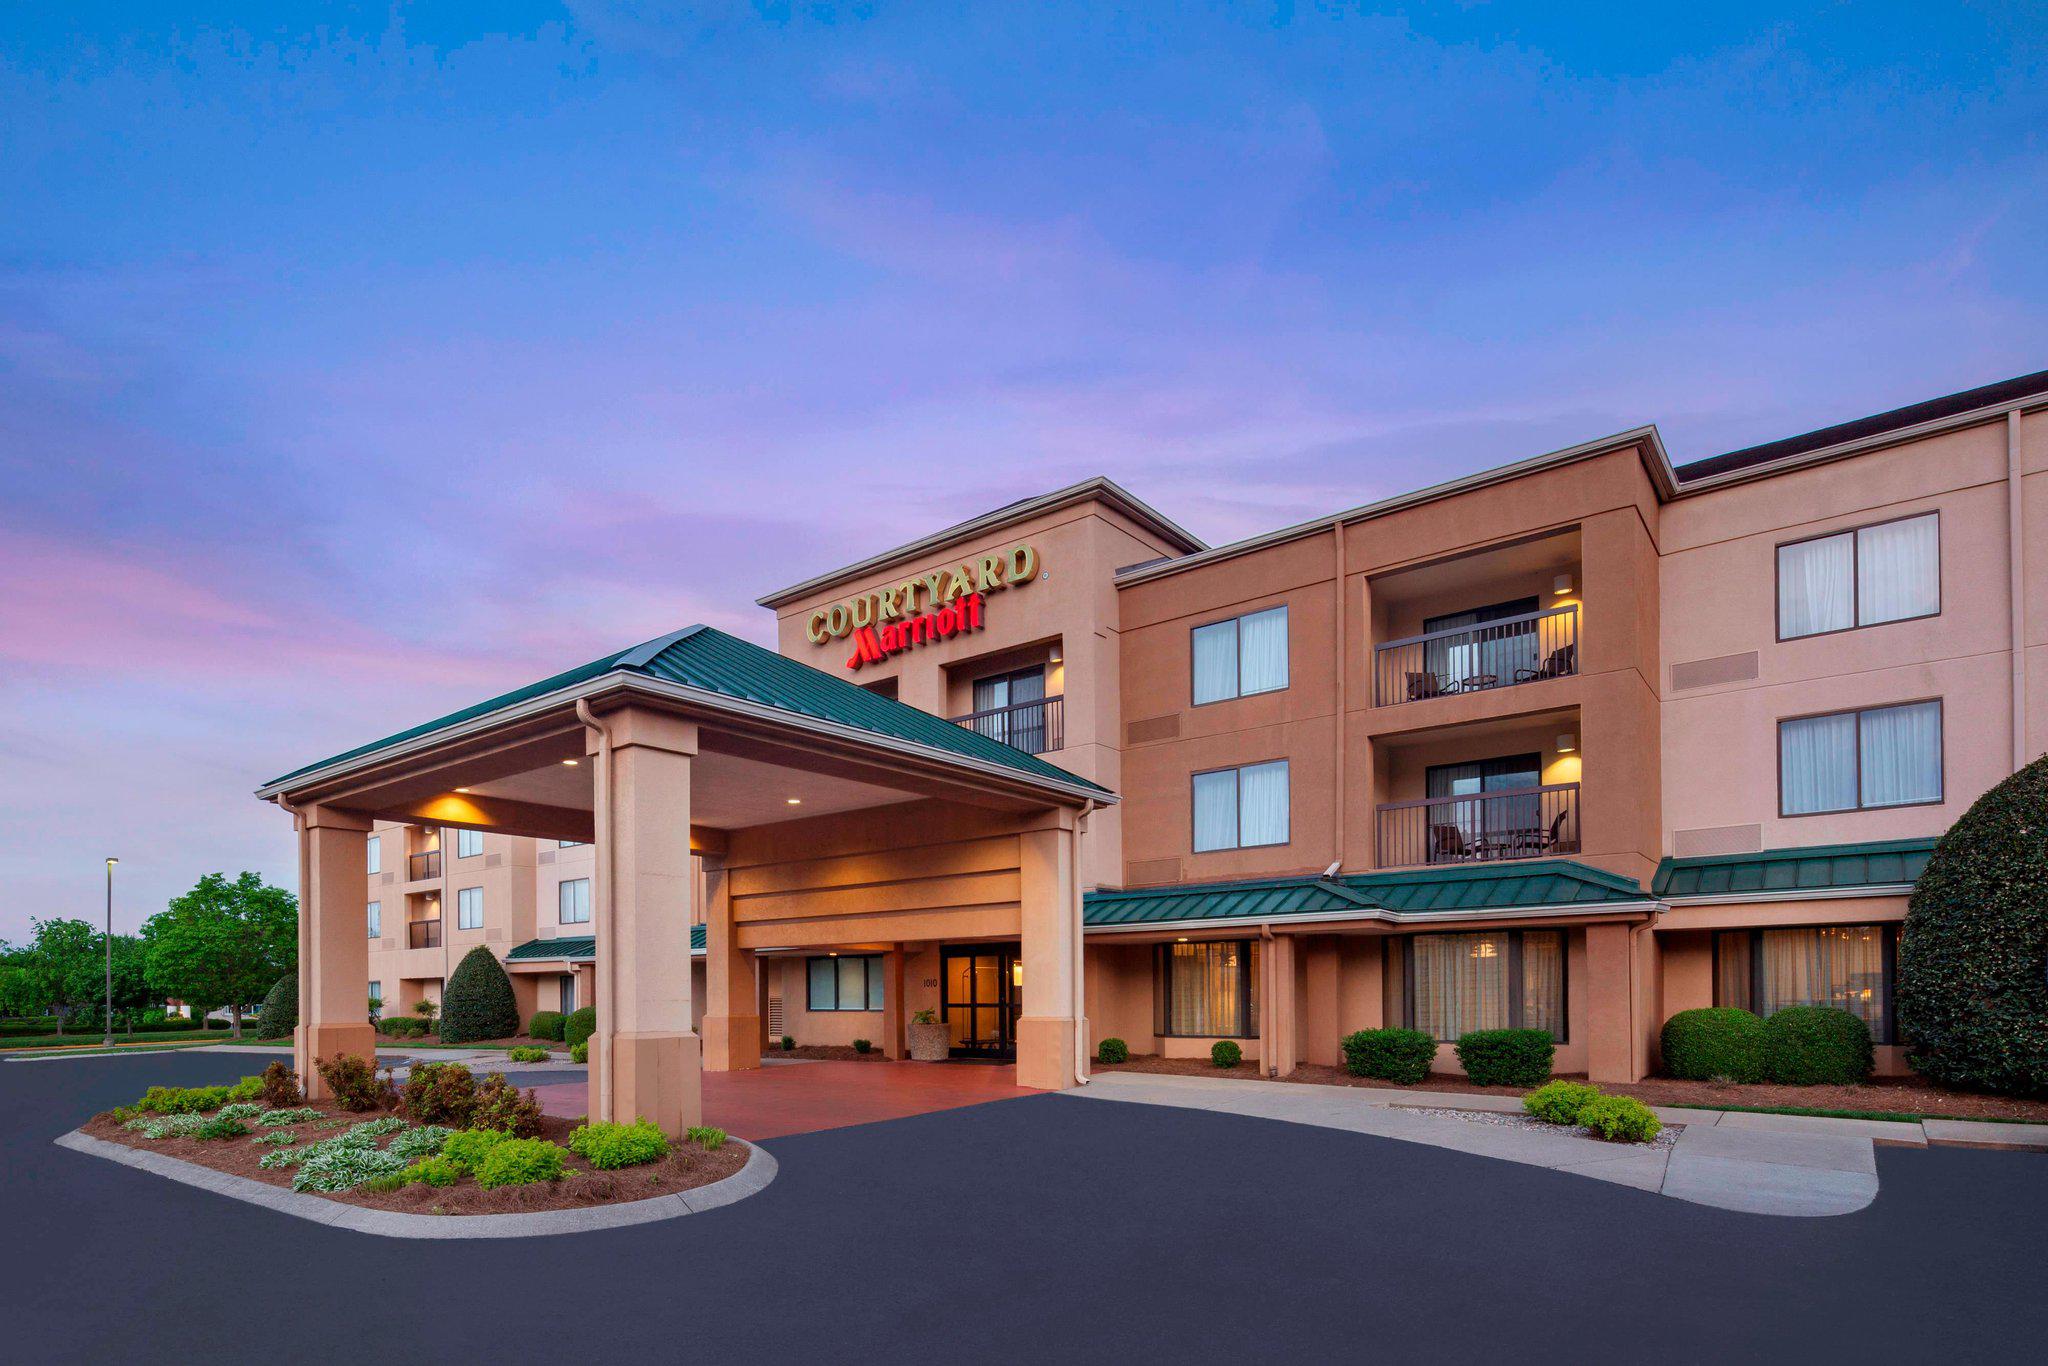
(1036, 727)
(1493, 654)
(423, 934)
(418, 866)
(1528, 822)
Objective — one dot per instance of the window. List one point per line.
(852, 982)
(469, 908)
(1887, 572)
(1476, 654)
(376, 998)
(1242, 656)
(1850, 966)
(572, 901)
(1209, 990)
(570, 844)
(1500, 979)
(376, 919)
(375, 846)
(468, 843)
(1022, 728)
(1859, 760)
(1241, 808)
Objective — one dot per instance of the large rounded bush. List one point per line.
(1506, 1057)
(280, 1009)
(1973, 957)
(1715, 1041)
(546, 1024)
(1816, 1046)
(1402, 1056)
(581, 1024)
(478, 1002)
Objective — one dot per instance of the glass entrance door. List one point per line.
(982, 994)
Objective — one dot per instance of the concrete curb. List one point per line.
(749, 1180)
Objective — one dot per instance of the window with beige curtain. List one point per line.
(1494, 980)
(1829, 965)
(1209, 990)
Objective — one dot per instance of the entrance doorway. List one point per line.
(981, 990)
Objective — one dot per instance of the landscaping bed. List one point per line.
(824, 1053)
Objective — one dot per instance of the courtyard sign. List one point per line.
(929, 607)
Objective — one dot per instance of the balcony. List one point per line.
(423, 934)
(422, 866)
(1036, 727)
(1526, 648)
(1491, 827)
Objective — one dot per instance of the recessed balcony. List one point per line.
(419, 867)
(1525, 647)
(1490, 827)
(423, 934)
(1036, 727)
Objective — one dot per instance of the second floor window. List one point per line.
(1856, 760)
(574, 901)
(1238, 808)
(376, 919)
(1887, 572)
(469, 908)
(469, 843)
(1242, 656)
(375, 848)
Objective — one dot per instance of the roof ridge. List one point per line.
(640, 655)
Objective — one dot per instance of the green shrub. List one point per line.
(520, 1162)
(182, 1100)
(281, 1087)
(502, 1106)
(434, 1171)
(1620, 1119)
(579, 1052)
(1714, 1041)
(247, 1089)
(362, 1131)
(527, 1054)
(297, 1115)
(611, 1146)
(221, 1126)
(581, 1024)
(1112, 1050)
(426, 1010)
(1402, 1056)
(1560, 1101)
(353, 1082)
(788, 1043)
(424, 1141)
(389, 1181)
(861, 1045)
(1816, 1046)
(280, 1009)
(1225, 1053)
(241, 1109)
(468, 1148)
(175, 1126)
(478, 1002)
(1506, 1057)
(546, 1024)
(403, 1026)
(338, 1166)
(1972, 1005)
(706, 1137)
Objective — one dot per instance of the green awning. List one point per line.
(577, 948)
(1501, 886)
(1220, 901)
(1814, 868)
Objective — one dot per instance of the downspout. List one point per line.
(1080, 957)
(2016, 567)
(1268, 1034)
(1338, 699)
(605, 981)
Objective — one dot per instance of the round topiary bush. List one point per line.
(1112, 1050)
(1714, 1041)
(478, 1002)
(280, 1009)
(546, 1024)
(1973, 957)
(581, 1024)
(1224, 1053)
(1816, 1046)
(1401, 1056)
(1506, 1057)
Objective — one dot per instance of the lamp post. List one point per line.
(108, 1039)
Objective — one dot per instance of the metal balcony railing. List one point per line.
(1493, 654)
(418, 866)
(423, 934)
(1529, 822)
(1036, 727)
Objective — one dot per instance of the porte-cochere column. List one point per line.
(1050, 913)
(334, 951)
(732, 1023)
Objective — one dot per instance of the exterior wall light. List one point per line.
(1567, 743)
(1561, 585)
(570, 763)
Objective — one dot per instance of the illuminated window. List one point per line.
(847, 982)
(1848, 966)
(1503, 979)
(1209, 990)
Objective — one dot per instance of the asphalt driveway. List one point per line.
(1032, 1229)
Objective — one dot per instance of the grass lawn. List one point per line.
(141, 1044)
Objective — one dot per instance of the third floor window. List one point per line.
(1241, 656)
(1890, 571)
(574, 901)
(469, 843)
(1856, 760)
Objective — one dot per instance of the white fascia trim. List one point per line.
(1122, 499)
(1645, 438)
(1384, 917)
(1817, 894)
(712, 701)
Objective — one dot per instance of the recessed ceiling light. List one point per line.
(795, 801)
(463, 790)
(569, 763)
(1182, 940)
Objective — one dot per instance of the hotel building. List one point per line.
(1572, 744)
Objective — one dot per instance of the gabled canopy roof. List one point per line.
(726, 667)
(1815, 868)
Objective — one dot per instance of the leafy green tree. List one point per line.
(223, 944)
(66, 967)
(20, 994)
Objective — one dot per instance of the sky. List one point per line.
(358, 362)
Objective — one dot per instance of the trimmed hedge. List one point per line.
(1506, 1057)
(1714, 1041)
(1225, 1053)
(280, 1009)
(1402, 1056)
(546, 1024)
(1817, 1046)
(1112, 1050)
(404, 1026)
(478, 1003)
(581, 1024)
(1972, 1000)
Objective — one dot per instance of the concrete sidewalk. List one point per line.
(1752, 1169)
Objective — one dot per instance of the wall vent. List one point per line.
(774, 1017)
(1152, 728)
(1718, 839)
(547, 856)
(384, 946)
(1703, 673)
(493, 860)
(390, 876)
(1146, 872)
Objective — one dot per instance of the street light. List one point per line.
(108, 1039)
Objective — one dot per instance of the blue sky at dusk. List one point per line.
(356, 362)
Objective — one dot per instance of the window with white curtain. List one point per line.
(1241, 656)
(1501, 979)
(1209, 990)
(1857, 760)
(1890, 571)
(1241, 808)
(572, 901)
(1847, 966)
(375, 852)
(376, 918)
(469, 908)
(468, 843)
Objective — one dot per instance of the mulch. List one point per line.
(825, 1053)
(1885, 1095)
(686, 1167)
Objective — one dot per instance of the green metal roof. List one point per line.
(1219, 901)
(702, 657)
(578, 946)
(1539, 882)
(1546, 883)
(1817, 867)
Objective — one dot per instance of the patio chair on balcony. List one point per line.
(1447, 844)
(1424, 683)
(1560, 663)
(1553, 841)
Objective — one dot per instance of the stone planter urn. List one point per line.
(926, 1039)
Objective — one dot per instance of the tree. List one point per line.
(478, 1002)
(66, 967)
(20, 992)
(223, 943)
(1973, 957)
